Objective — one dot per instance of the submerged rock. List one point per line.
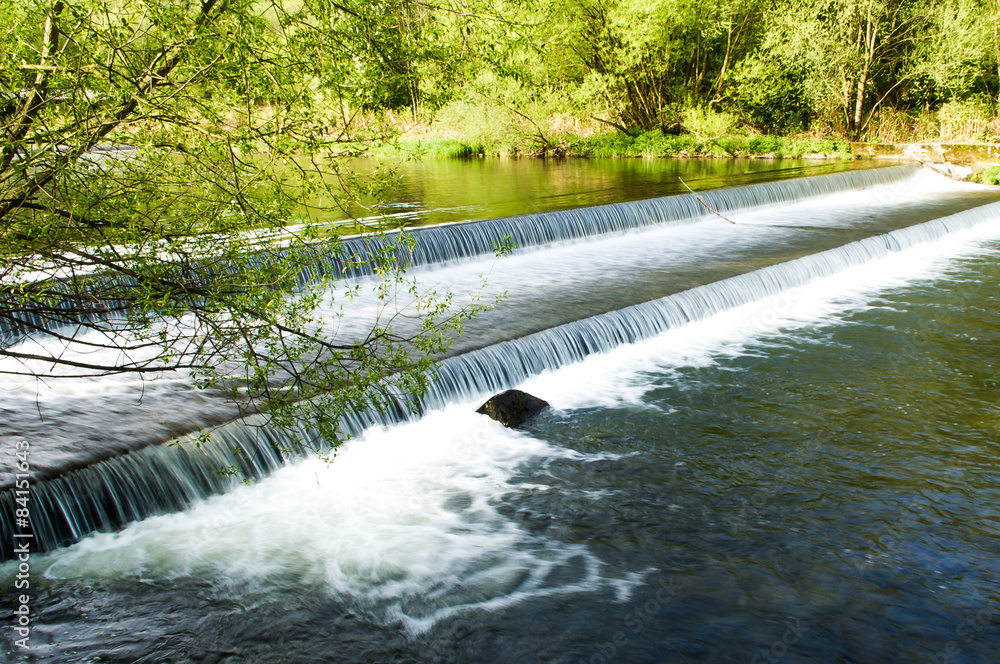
(512, 407)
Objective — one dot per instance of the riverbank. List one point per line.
(975, 161)
(619, 144)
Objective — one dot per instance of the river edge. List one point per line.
(961, 160)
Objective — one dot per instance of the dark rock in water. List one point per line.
(512, 407)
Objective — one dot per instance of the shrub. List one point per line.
(991, 175)
(706, 123)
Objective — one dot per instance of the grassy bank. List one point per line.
(657, 144)
(467, 130)
(474, 128)
(618, 144)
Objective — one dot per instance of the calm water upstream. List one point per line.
(809, 474)
(438, 191)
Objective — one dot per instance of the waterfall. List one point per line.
(161, 478)
(510, 363)
(460, 241)
(430, 245)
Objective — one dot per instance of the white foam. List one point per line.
(621, 376)
(831, 209)
(404, 522)
(35, 377)
(577, 266)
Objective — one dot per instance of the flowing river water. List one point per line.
(769, 440)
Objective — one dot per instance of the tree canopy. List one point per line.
(841, 66)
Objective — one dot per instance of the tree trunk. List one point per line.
(846, 88)
(39, 90)
(869, 39)
(859, 103)
(996, 46)
(720, 79)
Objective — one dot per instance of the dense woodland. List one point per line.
(480, 69)
(864, 69)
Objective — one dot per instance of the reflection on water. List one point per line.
(437, 191)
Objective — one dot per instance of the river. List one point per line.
(769, 440)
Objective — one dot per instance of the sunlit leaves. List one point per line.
(162, 180)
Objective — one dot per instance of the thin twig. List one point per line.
(707, 206)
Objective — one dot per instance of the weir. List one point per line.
(161, 479)
(449, 243)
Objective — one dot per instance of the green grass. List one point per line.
(645, 144)
(617, 144)
(657, 144)
(436, 147)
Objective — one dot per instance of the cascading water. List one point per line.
(455, 242)
(157, 480)
(544, 289)
(510, 363)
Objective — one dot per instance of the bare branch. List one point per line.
(706, 205)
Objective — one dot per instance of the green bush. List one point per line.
(763, 145)
(480, 124)
(652, 143)
(644, 144)
(991, 175)
(437, 147)
(455, 149)
(780, 146)
(706, 123)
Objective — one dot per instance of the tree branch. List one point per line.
(614, 124)
(706, 205)
(39, 91)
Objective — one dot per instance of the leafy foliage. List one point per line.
(991, 175)
(165, 168)
(842, 66)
